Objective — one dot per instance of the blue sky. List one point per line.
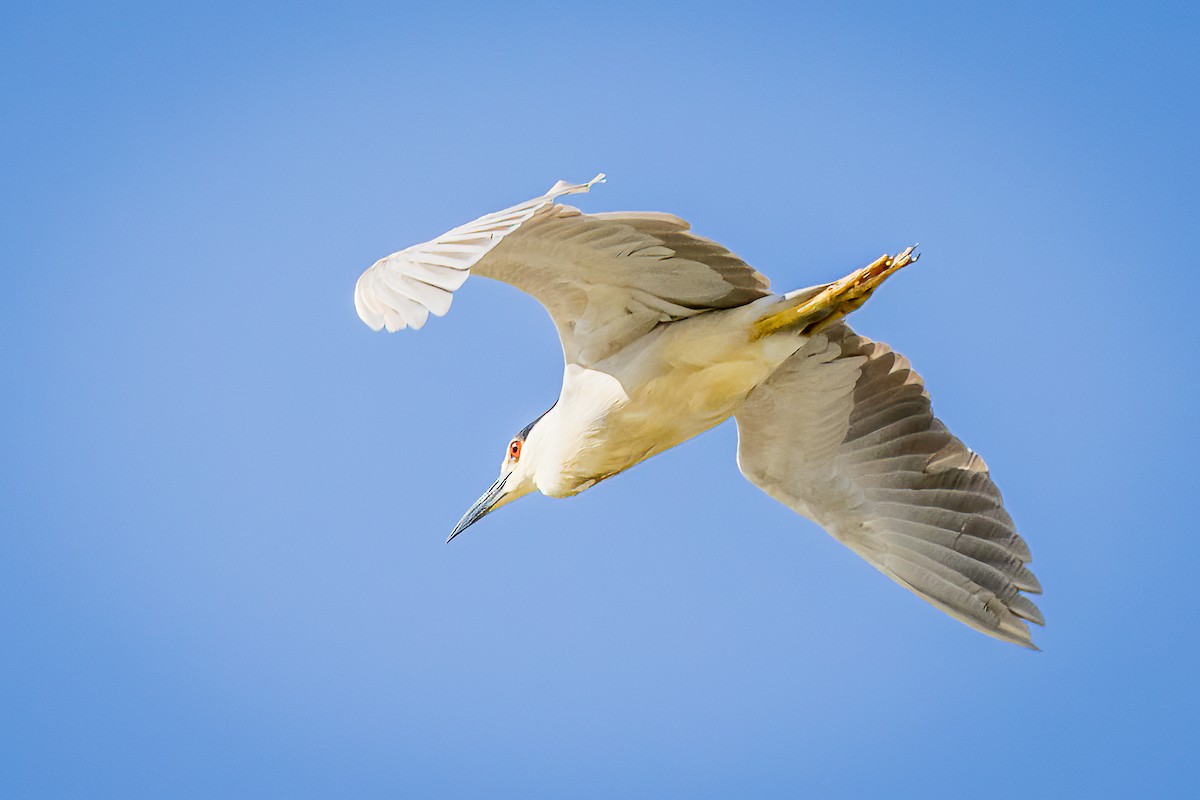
(224, 499)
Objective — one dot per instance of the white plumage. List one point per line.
(666, 334)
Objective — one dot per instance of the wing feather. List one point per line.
(605, 278)
(844, 434)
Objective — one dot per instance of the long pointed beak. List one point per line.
(481, 509)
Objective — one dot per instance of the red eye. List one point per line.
(514, 449)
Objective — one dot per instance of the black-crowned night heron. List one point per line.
(666, 334)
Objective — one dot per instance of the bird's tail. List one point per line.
(810, 310)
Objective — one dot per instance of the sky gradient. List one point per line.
(223, 499)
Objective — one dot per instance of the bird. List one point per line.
(666, 334)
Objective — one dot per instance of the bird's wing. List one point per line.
(605, 278)
(844, 434)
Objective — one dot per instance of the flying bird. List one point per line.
(666, 334)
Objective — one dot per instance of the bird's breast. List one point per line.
(620, 413)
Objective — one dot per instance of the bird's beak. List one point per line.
(483, 506)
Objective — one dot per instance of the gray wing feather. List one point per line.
(746, 283)
(844, 434)
(606, 279)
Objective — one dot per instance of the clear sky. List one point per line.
(223, 499)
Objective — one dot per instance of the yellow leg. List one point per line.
(830, 304)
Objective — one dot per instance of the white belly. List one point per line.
(675, 384)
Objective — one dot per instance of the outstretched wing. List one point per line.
(844, 434)
(606, 279)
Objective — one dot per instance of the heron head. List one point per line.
(516, 479)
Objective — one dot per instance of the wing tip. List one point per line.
(561, 188)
